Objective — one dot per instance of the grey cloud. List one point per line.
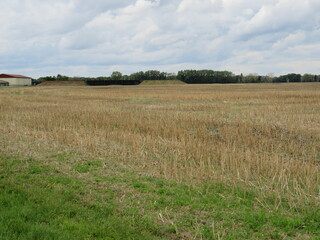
(70, 36)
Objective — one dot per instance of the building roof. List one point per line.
(13, 76)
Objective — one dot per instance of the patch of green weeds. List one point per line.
(87, 166)
(48, 205)
(61, 157)
(215, 211)
(39, 202)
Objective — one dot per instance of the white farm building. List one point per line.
(16, 80)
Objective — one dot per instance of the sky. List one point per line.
(95, 38)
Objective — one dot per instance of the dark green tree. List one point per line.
(116, 76)
(308, 78)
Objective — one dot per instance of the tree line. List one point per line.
(211, 76)
(190, 76)
(116, 76)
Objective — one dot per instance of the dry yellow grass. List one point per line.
(263, 136)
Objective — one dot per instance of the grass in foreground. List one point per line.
(94, 200)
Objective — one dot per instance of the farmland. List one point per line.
(182, 161)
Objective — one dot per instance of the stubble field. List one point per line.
(170, 162)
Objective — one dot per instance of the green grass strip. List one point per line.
(39, 201)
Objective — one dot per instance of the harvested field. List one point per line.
(261, 138)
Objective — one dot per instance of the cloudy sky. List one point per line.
(94, 38)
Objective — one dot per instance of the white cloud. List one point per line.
(95, 37)
(196, 6)
(291, 40)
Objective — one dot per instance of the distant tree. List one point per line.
(102, 78)
(251, 78)
(268, 78)
(207, 76)
(308, 78)
(139, 76)
(292, 77)
(47, 78)
(125, 77)
(240, 78)
(116, 76)
(171, 76)
(62, 78)
(154, 75)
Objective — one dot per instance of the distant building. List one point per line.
(16, 80)
(3, 83)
